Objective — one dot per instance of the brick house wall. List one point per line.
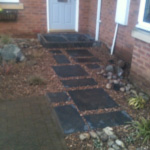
(140, 68)
(124, 41)
(30, 20)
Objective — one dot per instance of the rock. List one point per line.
(109, 77)
(109, 68)
(122, 89)
(114, 77)
(120, 143)
(109, 74)
(127, 88)
(119, 71)
(108, 131)
(116, 81)
(84, 136)
(116, 147)
(133, 92)
(113, 137)
(105, 75)
(108, 85)
(93, 134)
(11, 52)
(103, 137)
(111, 149)
(99, 133)
(116, 87)
(121, 64)
(131, 147)
(110, 143)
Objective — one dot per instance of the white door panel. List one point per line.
(62, 15)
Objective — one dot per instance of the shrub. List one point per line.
(36, 80)
(142, 128)
(137, 102)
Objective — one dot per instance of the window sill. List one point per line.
(141, 35)
(16, 6)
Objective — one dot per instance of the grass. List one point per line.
(142, 128)
(137, 102)
(36, 80)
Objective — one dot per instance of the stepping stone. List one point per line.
(58, 97)
(55, 51)
(107, 119)
(93, 66)
(79, 53)
(78, 82)
(69, 71)
(92, 99)
(70, 120)
(61, 59)
(87, 60)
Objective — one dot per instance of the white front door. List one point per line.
(62, 15)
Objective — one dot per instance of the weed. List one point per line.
(137, 102)
(142, 128)
(36, 80)
(98, 145)
(130, 139)
(5, 39)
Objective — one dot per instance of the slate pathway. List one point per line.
(29, 124)
(83, 100)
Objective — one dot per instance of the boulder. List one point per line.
(11, 52)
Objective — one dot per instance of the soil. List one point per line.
(14, 78)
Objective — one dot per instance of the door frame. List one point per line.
(76, 18)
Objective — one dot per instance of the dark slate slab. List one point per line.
(93, 66)
(87, 60)
(61, 59)
(78, 82)
(55, 51)
(58, 97)
(108, 119)
(79, 53)
(92, 99)
(69, 71)
(69, 119)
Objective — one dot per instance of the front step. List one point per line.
(64, 40)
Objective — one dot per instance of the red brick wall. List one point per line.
(124, 41)
(92, 17)
(33, 18)
(84, 15)
(140, 68)
(30, 20)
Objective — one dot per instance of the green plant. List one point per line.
(5, 39)
(137, 102)
(98, 144)
(36, 80)
(130, 139)
(142, 128)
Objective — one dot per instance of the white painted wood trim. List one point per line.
(141, 24)
(98, 19)
(77, 15)
(47, 14)
(9, 1)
